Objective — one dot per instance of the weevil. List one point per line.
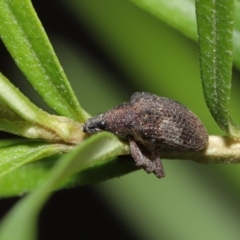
(151, 123)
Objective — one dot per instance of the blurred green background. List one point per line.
(110, 49)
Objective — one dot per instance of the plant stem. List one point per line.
(220, 149)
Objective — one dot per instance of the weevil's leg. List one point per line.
(159, 170)
(139, 158)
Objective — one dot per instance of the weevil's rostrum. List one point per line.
(152, 123)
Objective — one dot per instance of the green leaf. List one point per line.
(215, 27)
(27, 42)
(181, 16)
(30, 176)
(23, 216)
(215, 31)
(19, 153)
(27, 177)
(20, 116)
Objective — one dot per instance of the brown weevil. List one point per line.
(151, 123)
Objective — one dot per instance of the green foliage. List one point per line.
(215, 30)
(19, 153)
(105, 145)
(181, 16)
(27, 42)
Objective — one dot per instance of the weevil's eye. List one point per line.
(102, 125)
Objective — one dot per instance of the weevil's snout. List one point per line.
(90, 127)
(95, 124)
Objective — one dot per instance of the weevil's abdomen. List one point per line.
(173, 131)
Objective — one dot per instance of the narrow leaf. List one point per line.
(15, 155)
(27, 42)
(179, 14)
(20, 116)
(215, 31)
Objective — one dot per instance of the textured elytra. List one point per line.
(152, 122)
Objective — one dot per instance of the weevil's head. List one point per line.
(95, 124)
